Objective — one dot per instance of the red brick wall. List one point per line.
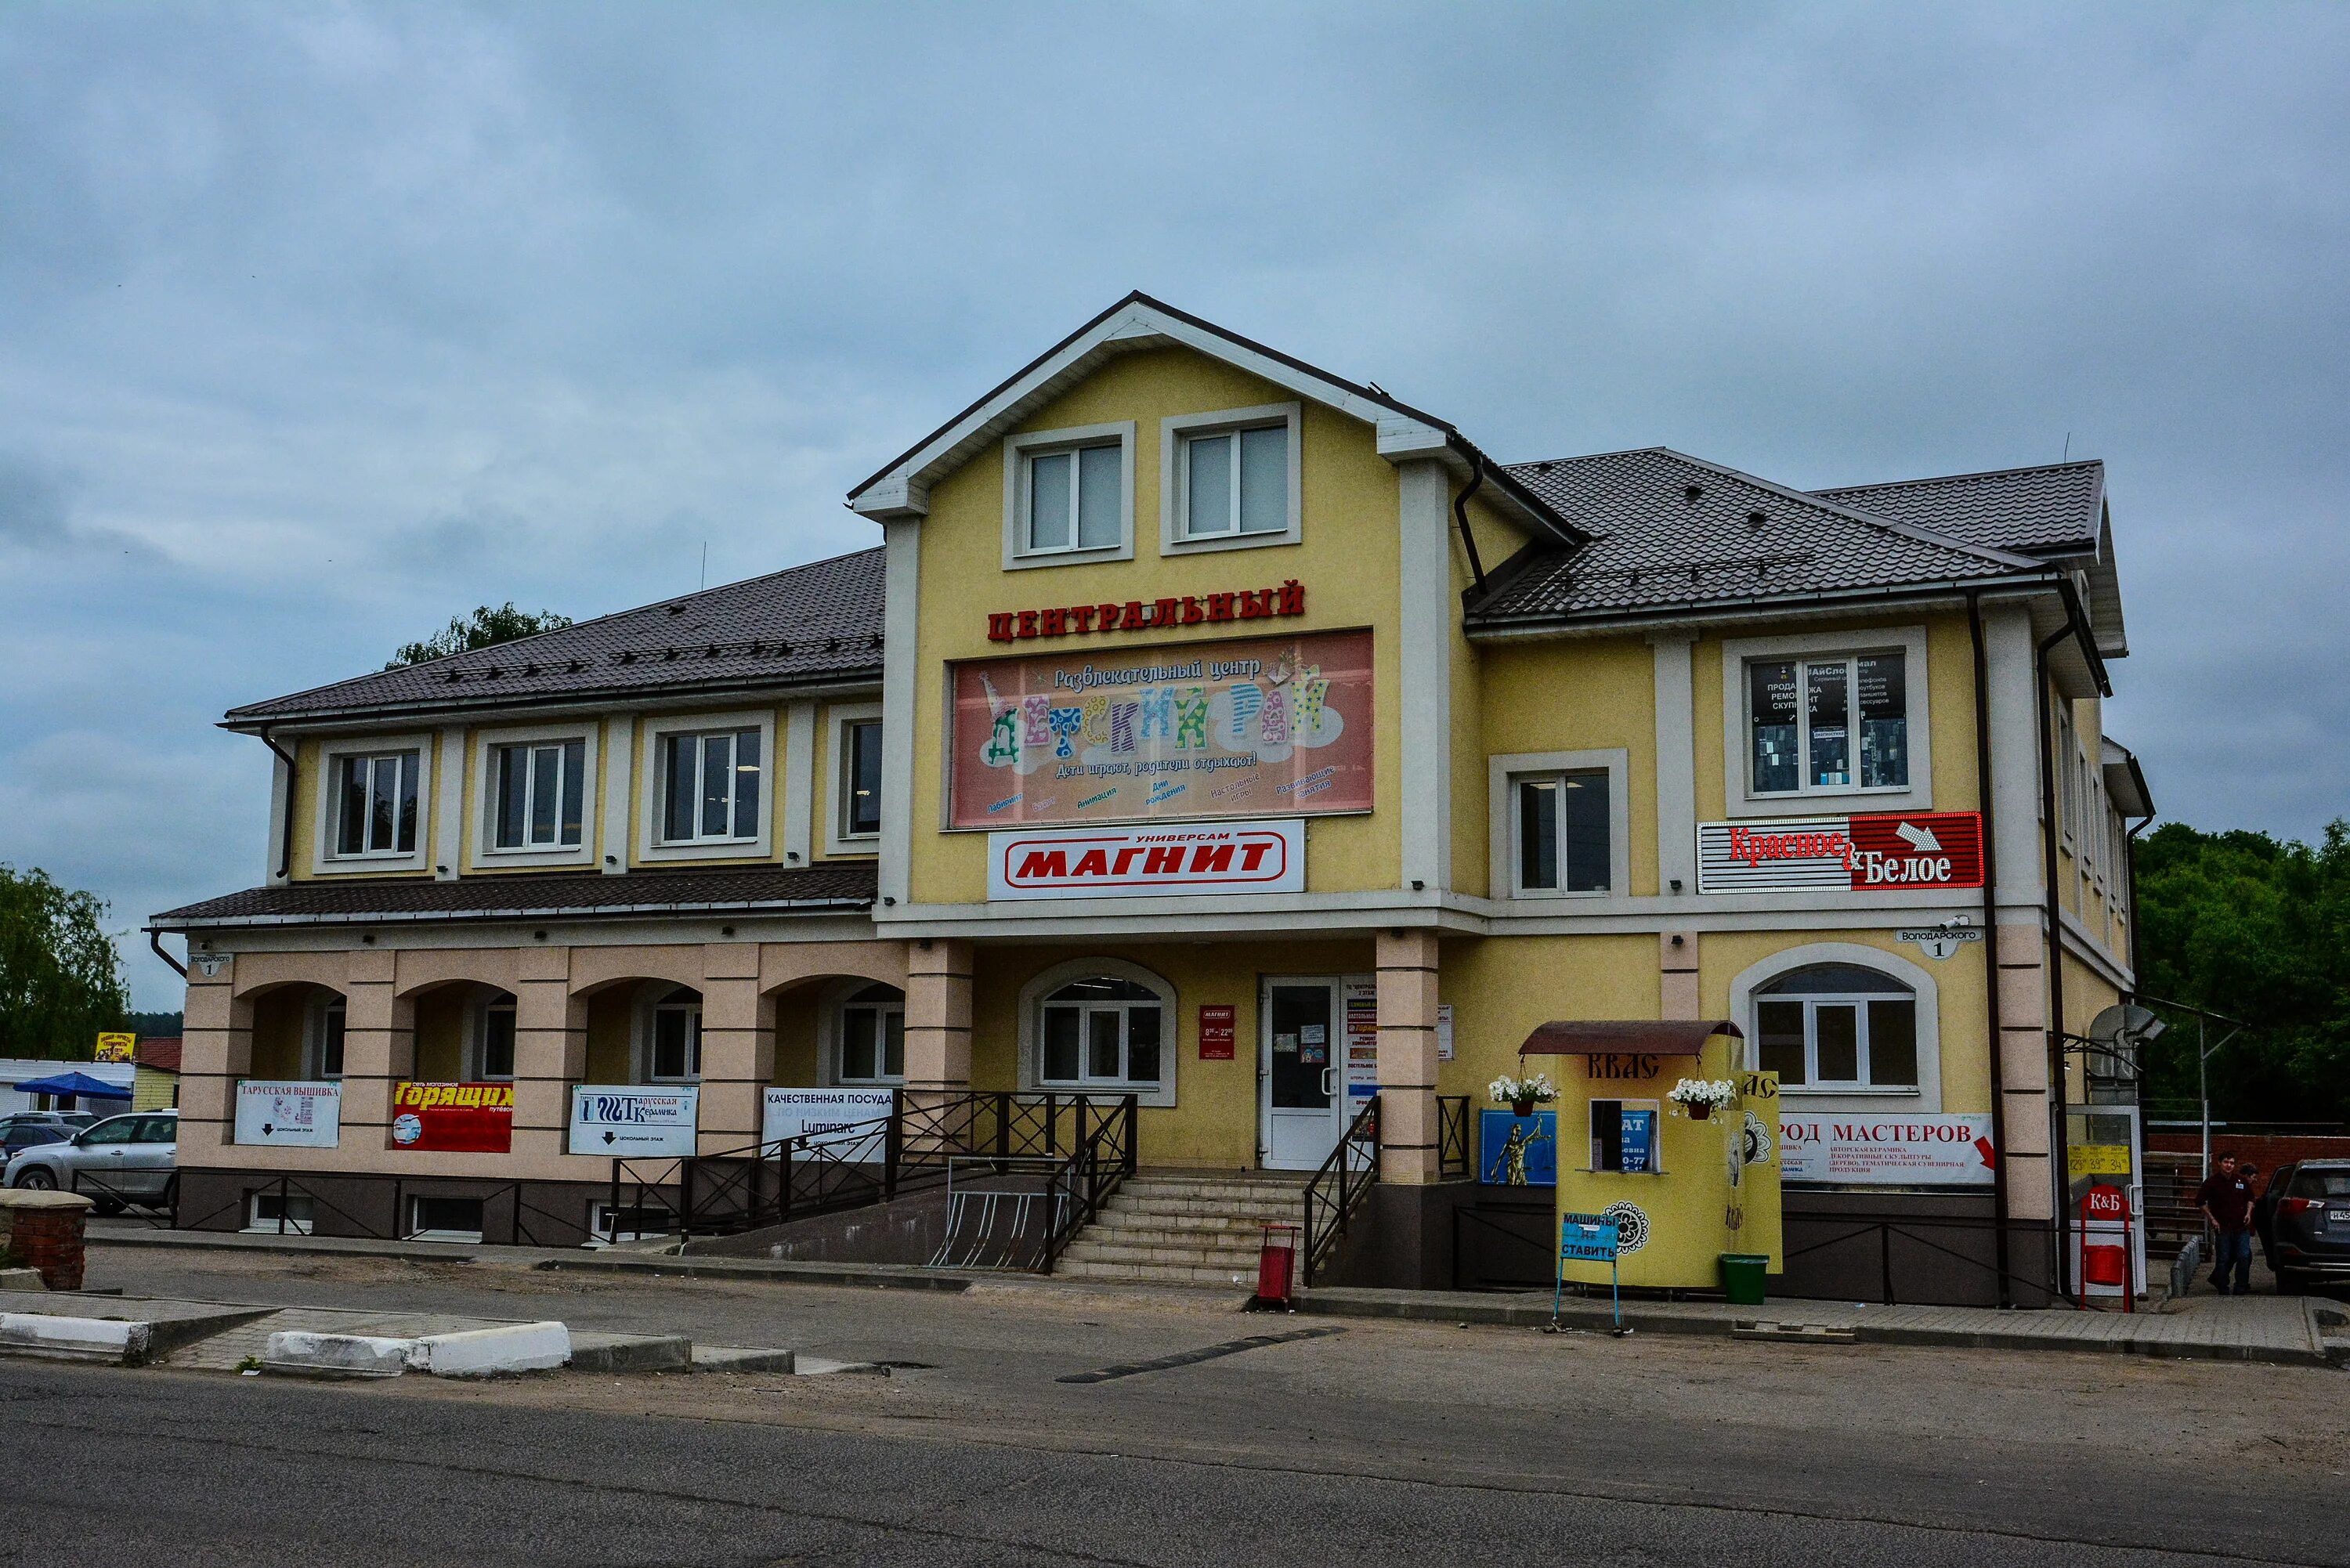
(2265, 1151)
(50, 1239)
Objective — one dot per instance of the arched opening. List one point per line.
(1101, 1026)
(465, 1033)
(1838, 1026)
(298, 1033)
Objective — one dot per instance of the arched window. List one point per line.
(1838, 1026)
(322, 1046)
(673, 1037)
(872, 1035)
(1102, 1032)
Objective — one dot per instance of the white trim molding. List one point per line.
(324, 861)
(838, 839)
(1428, 618)
(1502, 821)
(1925, 1097)
(1676, 762)
(486, 854)
(1176, 429)
(759, 846)
(799, 781)
(1046, 982)
(449, 807)
(901, 579)
(1741, 800)
(619, 791)
(1018, 450)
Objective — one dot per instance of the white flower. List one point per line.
(1713, 1091)
(1506, 1090)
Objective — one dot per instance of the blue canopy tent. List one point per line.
(75, 1085)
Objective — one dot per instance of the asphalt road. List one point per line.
(1384, 1443)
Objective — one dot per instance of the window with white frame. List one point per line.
(1838, 1026)
(711, 786)
(1073, 498)
(872, 1035)
(375, 797)
(860, 778)
(1561, 840)
(323, 1049)
(1102, 1032)
(538, 791)
(1828, 724)
(1234, 481)
(493, 1037)
(673, 1037)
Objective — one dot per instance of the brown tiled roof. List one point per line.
(2053, 509)
(844, 885)
(161, 1054)
(1672, 531)
(818, 622)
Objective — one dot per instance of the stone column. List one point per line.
(216, 1049)
(737, 1052)
(378, 1045)
(2024, 1072)
(1677, 975)
(550, 1049)
(1408, 1115)
(938, 1017)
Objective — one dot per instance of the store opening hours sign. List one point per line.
(1883, 853)
(1130, 862)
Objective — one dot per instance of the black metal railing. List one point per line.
(1884, 1228)
(1337, 1188)
(1456, 1154)
(1087, 1178)
(871, 1161)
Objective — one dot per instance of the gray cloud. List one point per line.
(327, 323)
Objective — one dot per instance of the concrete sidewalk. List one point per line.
(2285, 1329)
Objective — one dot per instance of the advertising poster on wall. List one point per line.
(626, 1121)
(289, 1115)
(1894, 1150)
(823, 1114)
(1362, 999)
(452, 1118)
(1518, 1151)
(1213, 729)
(1882, 853)
(1218, 1031)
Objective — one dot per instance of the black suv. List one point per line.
(2304, 1220)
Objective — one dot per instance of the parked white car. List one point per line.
(123, 1159)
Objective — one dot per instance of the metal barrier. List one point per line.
(1087, 1179)
(1886, 1228)
(1337, 1188)
(1456, 1153)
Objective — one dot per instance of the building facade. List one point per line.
(1212, 730)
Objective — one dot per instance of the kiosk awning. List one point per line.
(1650, 1036)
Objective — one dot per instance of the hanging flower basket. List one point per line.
(1522, 1094)
(1699, 1096)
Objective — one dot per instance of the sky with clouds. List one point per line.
(319, 323)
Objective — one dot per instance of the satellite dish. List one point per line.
(2127, 1024)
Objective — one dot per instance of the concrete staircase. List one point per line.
(1185, 1228)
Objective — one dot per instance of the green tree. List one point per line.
(60, 976)
(485, 627)
(2259, 930)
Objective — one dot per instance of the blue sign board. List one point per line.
(1518, 1151)
(1587, 1239)
(1639, 1140)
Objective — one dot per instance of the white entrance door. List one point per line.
(1302, 1070)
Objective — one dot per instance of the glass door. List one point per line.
(1303, 1069)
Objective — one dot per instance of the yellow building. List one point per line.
(1235, 749)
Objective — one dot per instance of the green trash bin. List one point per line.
(1742, 1277)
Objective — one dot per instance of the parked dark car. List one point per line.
(28, 1129)
(2304, 1220)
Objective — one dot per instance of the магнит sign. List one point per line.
(1202, 731)
(452, 1118)
(1128, 862)
(623, 1121)
(1218, 1031)
(1894, 851)
(289, 1115)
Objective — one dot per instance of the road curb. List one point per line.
(881, 1276)
(118, 1341)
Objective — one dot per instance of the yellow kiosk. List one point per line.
(1663, 1129)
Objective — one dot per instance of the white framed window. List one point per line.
(275, 1212)
(323, 1034)
(432, 1218)
(1100, 1026)
(490, 1044)
(536, 789)
(707, 790)
(1559, 826)
(1839, 716)
(1838, 1026)
(372, 804)
(855, 751)
(1231, 480)
(671, 1034)
(870, 1029)
(1068, 495)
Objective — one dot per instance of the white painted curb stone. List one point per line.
(306, 1354)
(76, 1338)
(484, 1352)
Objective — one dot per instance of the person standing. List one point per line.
(2225, 1199)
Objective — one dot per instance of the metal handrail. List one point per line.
(1092, 1173)
(1352, 1170)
